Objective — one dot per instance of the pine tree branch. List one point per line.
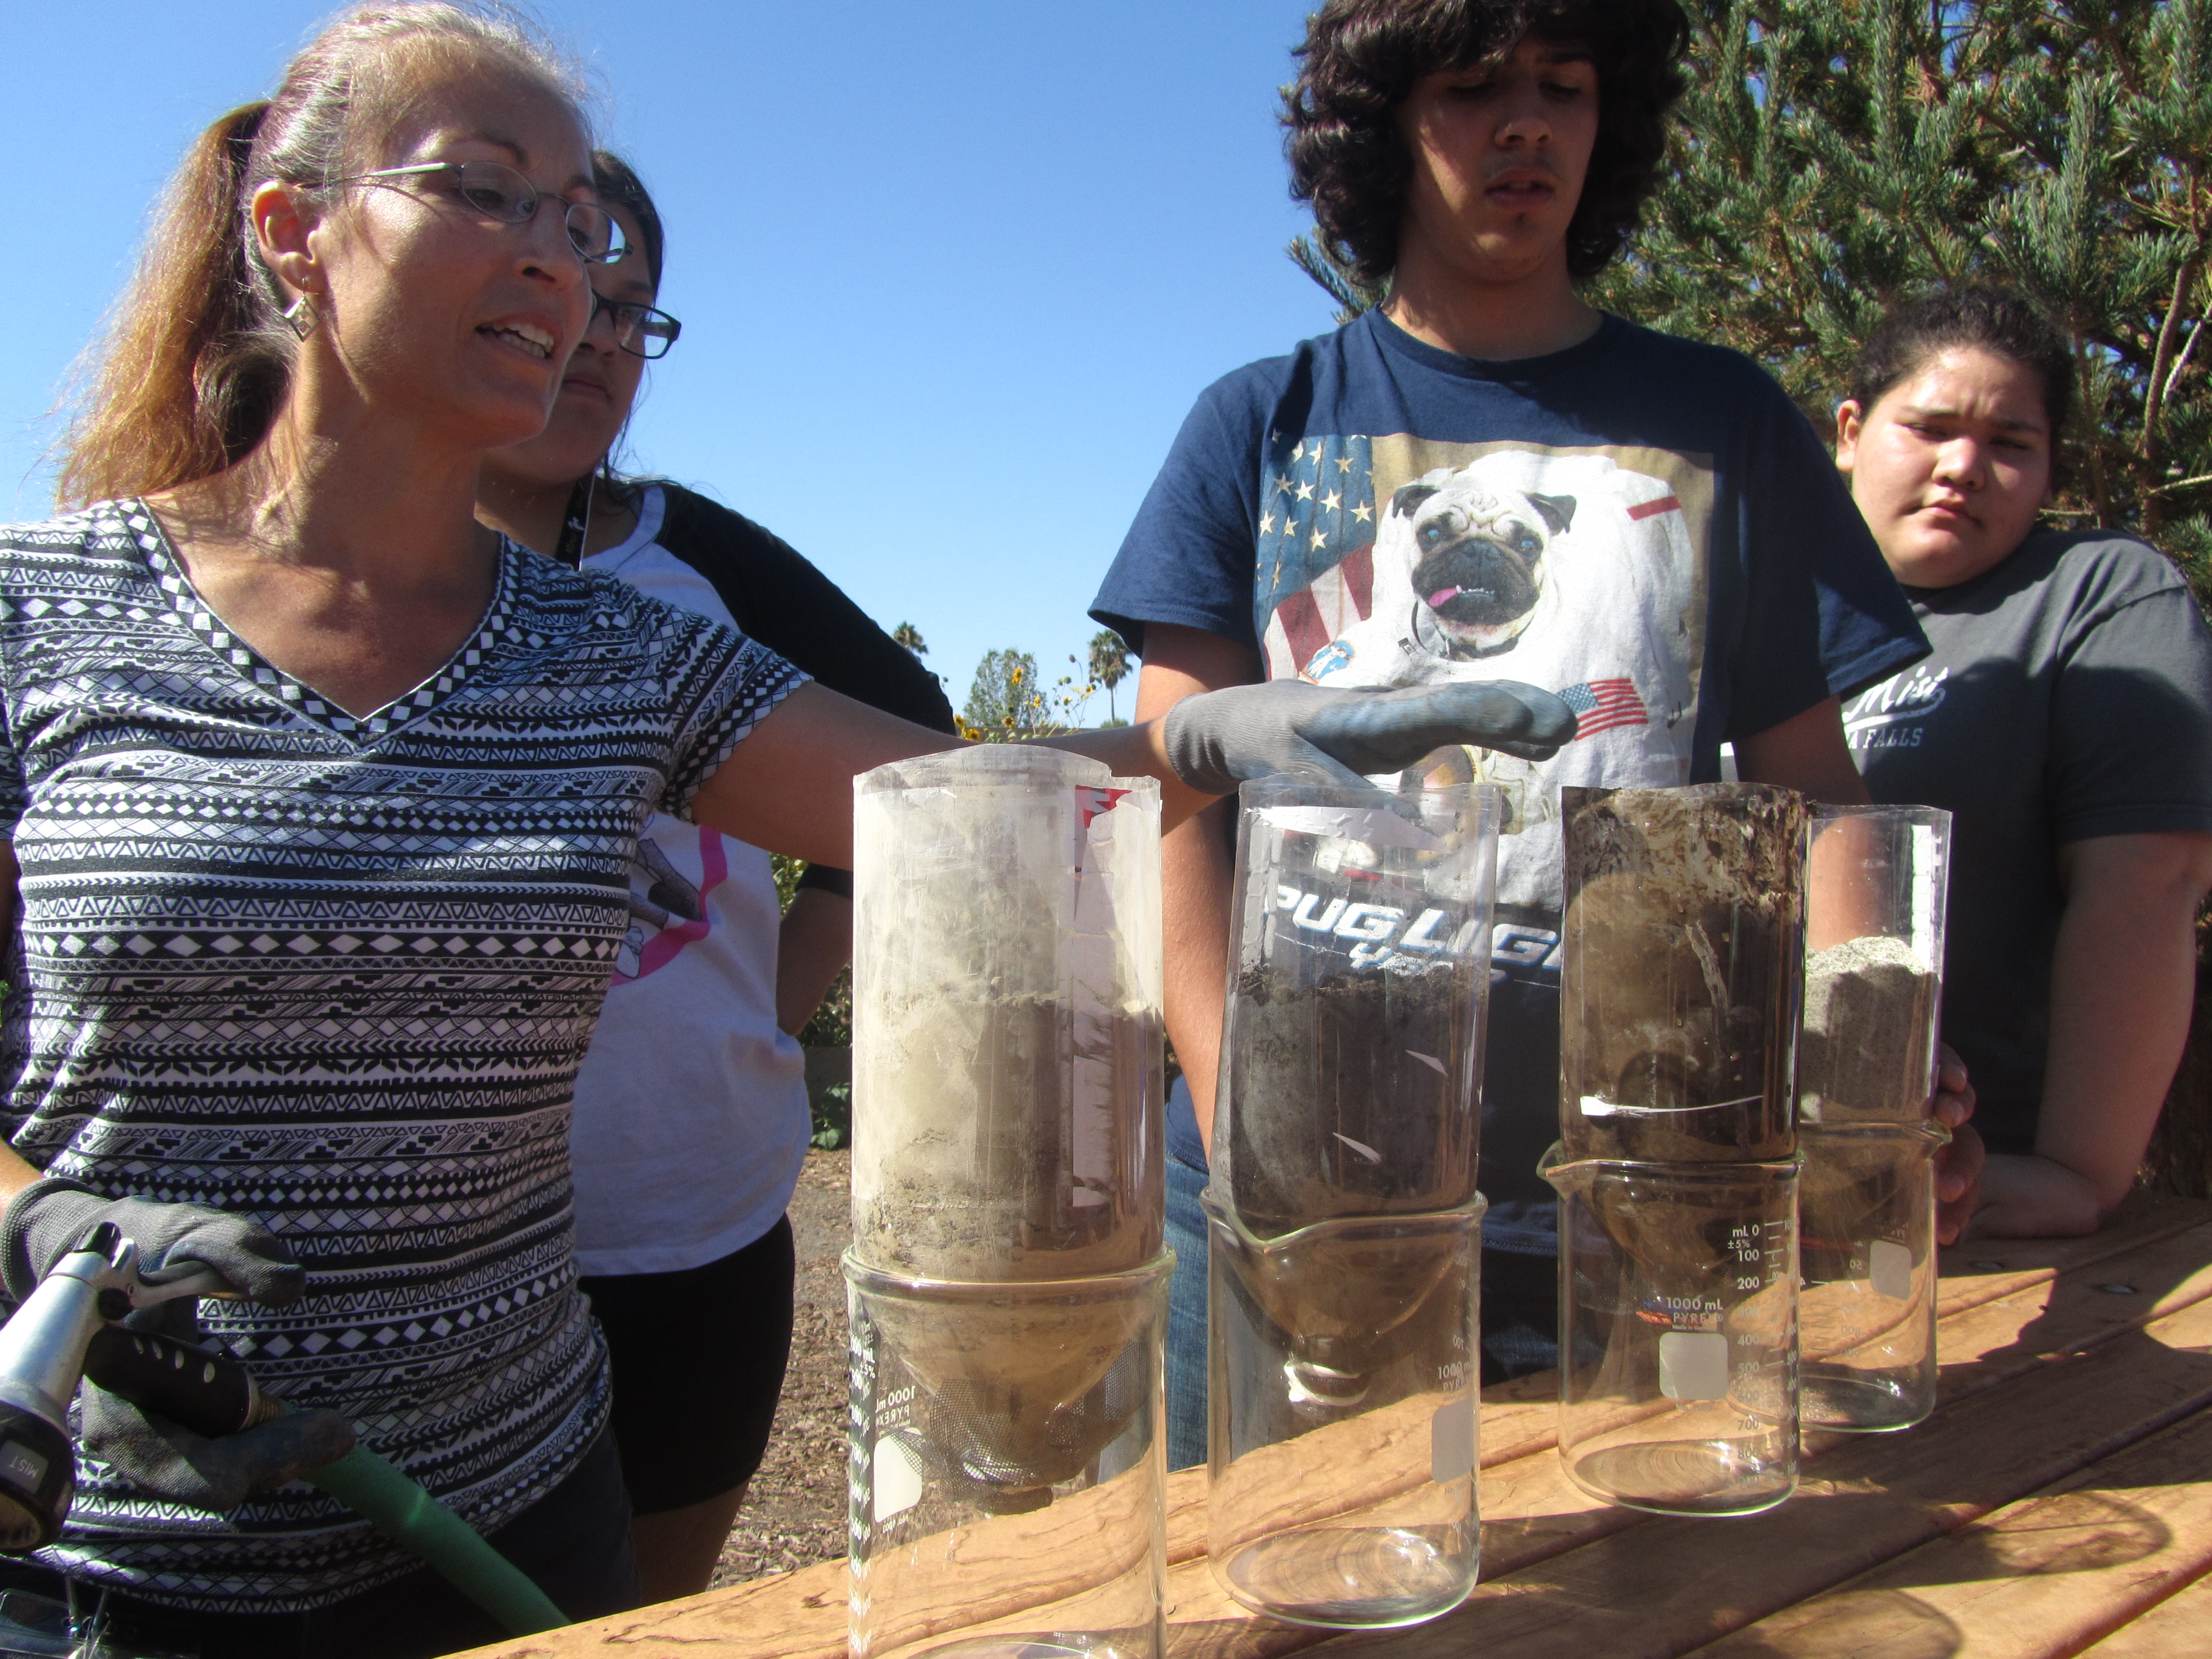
(2184, 282)
(2182, 362)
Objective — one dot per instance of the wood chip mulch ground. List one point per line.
(794, 1512)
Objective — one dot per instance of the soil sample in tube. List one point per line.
(1022, 1145)
(1350, 1092)
(1682, 974)
(1867, 1055)
(1006, 1075)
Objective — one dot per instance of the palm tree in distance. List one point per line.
(1110, 664)
(910, 637)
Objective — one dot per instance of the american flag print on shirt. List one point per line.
(1390, 560)
(1602, 705)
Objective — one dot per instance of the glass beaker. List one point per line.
(1678, 1332)
(1008, 1470)
(1341, 1397)
(1866, 1310)
(1875, 901)
(1006, 1034)
(1352, 1032)
(1682, 938)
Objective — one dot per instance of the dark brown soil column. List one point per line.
(1351, 1096)
(1682, 972)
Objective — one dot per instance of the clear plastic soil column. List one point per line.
(1352, 1032)
(1681, 972)
(1866, 1332)
(1875, 904)
(1343, 1217)
(1008, 1278)
(1008, 1466)
(1006, 1031)
(1678, 1361)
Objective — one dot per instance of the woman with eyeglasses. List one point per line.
(692, 1119)
(321, 800)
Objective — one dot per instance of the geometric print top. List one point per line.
(337, 974)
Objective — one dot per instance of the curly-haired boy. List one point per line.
(1485, 477)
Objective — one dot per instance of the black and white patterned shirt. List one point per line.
(339, 975)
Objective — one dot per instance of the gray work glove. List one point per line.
(1217, 739)
(49, 1218)
(162, 1456)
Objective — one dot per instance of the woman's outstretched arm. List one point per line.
(788, 787)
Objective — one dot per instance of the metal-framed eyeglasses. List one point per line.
(504, 197)
(640, 329)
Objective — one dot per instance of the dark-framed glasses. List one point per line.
(640, 330)
(504, 197)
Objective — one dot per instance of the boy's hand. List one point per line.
(1958, 1165)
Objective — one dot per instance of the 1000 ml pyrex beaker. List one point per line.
(1680, 972)
(1878, 882)
(1008, 1466)
(1342, 1368)
(1866, 1313)
(1678, 1338)
(1352, 1033)
(1006, 1034)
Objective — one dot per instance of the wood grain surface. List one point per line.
(2049, 1574)
(2179, 1627)
(2059, 1502)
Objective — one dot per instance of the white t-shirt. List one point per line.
(691, 1119)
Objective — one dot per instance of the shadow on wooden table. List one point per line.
(2063, 1489)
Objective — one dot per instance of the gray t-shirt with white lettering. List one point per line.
(2068, 695)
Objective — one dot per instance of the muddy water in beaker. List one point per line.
(1866, 1316)
(1678, 1342)
(1007, 1467)
(1342, 1370)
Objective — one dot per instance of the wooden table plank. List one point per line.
(1669, 1585)
(2181, 1624)
(1989, 1343)
(1987, 1268)
(2035, 1580)
(2005, 1326)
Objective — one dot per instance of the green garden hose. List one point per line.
(419, 1523)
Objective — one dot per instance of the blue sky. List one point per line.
(950, 276)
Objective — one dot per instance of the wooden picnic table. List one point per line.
(2059, 1502)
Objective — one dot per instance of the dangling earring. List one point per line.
(301, 317)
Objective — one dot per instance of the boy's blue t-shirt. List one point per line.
(1645, 525)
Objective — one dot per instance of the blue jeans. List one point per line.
(1186, 1315)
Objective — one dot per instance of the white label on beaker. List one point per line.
(1693, 1365)
(1925, 919)
(898, 1480)
(1451, 1442)
(1889, 1265)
